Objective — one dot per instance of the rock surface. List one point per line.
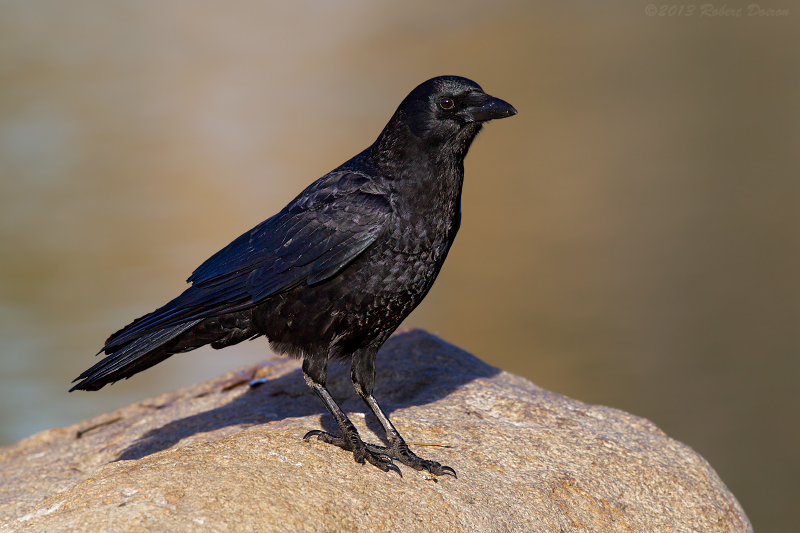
(227, 456)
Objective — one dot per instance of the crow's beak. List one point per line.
(491, 109)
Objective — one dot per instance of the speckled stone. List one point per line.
(225, 456)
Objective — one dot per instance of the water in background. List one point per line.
(631, 238)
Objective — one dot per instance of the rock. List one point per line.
(227, 456)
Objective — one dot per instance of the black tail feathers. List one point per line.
(131, 358)
(129, 352)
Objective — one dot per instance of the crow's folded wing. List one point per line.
(311, 240)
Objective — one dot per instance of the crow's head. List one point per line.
(449, 108)
(443, 113)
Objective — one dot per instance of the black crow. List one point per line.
(338, 269)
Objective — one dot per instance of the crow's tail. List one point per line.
(135, 356)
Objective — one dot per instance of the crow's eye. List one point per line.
(447, 104)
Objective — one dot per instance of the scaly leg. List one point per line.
(315, 370)
(362, 372)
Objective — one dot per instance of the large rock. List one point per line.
(225, 456)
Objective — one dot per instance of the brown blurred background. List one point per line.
(631, 238)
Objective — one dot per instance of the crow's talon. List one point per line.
(383, 462)
(312, 433)
(329, 438)
(438, 469)
(447, 470)
(393, 467)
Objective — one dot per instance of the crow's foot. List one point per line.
(399, 450)
(361, 452)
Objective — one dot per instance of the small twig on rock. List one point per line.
(82, 432)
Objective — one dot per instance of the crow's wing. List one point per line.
(312, 239)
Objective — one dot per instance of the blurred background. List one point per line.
(631, 238)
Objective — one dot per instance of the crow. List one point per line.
(335, 272)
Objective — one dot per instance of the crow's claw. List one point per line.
(330, 438)
(447, 469)
(383, 462)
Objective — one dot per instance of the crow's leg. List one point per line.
(362, 372)
(315, 370)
